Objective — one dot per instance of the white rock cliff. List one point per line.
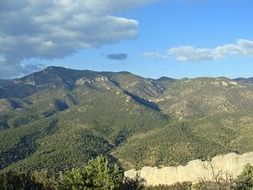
(225, 166)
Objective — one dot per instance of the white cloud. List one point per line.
(242, 47)
(50, 29)
(153, 54)
(189, 53)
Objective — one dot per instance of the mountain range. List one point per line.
(60, 118)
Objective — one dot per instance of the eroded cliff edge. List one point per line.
(226, 166)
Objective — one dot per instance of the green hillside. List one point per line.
(60, 118)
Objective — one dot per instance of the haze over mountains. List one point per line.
(59, 118)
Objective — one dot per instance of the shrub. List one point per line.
(13, 180)
(176, 186)
(97, 174)
(245, 180)
(136, 183)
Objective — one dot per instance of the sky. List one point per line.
(151, 38)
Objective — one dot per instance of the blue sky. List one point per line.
(176, 38)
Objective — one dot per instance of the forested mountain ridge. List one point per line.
(59, 118)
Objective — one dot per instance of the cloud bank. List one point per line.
(49, 29)
(117, 56)
(242, 47)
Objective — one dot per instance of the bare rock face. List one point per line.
(225, 166)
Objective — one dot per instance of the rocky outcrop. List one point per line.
(225, 166)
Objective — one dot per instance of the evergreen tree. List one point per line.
(245, 180)
(97, 174)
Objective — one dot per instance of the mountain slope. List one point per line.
(59, 118)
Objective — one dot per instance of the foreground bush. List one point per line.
(136, 183)
(177, 186)
(18, 181)
(97, 174)
(245, 180)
